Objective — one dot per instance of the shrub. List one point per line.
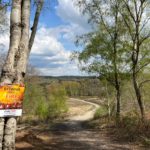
(100, 112)
(44, 101)
(57, 100)
(146, 141)
(42, 110)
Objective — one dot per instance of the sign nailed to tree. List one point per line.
(11, 99)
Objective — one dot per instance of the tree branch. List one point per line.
(35, 24)
(129, 10)
(143, 82)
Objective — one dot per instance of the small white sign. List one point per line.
(10, 112)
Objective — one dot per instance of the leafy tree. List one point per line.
(135, 14)
(105, 52)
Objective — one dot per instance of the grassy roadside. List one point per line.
(130, 129)
(44, 102)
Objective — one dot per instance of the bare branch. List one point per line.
(143, 82)
(143, 66)
(102, 19)
(144, 38)
(144, 24)
(129, 10)
(128, 26)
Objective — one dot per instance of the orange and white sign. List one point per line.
(11, 99)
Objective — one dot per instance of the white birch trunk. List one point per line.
(15, 66)
(24, 43)
(20, 68)
(8, 71)
(10, 134)
(2, 120)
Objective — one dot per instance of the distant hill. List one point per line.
(50, 79)
(68, 77)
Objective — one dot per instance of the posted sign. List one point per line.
(11, 99)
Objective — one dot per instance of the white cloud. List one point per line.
(4, 34)
(4, 42)
(69, 69)
(49, 53)
(48, 45)
(45, 43)
(70, 13)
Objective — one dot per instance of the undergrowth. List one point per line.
(44, 102)
(130, 127)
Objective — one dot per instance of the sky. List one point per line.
(60, 23)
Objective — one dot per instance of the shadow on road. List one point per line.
(69, 135)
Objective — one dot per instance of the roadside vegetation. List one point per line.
(48, 103)
(44, 102)
(117, 52)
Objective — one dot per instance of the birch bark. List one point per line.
(8, 71)
(35, 24)
(14, 69)
(20, 69)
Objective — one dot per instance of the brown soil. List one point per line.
(70, 134)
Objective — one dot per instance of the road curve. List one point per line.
(87, 115)
(70, 134)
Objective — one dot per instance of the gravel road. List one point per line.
(70, 134)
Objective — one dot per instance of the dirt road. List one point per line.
(69, 134)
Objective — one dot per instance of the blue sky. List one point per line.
(60, 23)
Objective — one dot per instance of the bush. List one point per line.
(146, 142)
(100, 112)
(131, 128)
(57, 101)
(44, 101)
(42, 110)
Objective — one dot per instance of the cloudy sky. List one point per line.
(60, 23)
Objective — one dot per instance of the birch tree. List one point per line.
(136, 18)
(106, 44)
(14, 69)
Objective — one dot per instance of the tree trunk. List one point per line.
(23, 49)
(15, 65)
(117, 87)
(138, 94)
(118, 102)
(2, 120)
(8, 72)
(135, 58)
(35, 24)
(108, 101)
(115, 62)
(9, 133)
